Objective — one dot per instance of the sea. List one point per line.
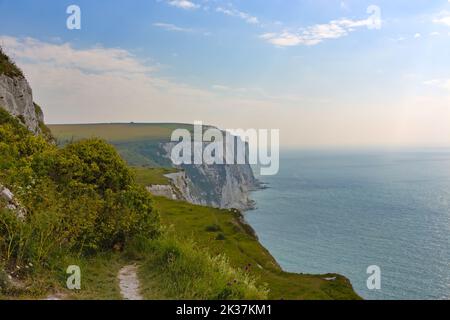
(343, 211)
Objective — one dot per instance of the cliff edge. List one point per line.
(16, 96)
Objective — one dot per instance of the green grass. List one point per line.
(245, 252)
(98, 279)
(173, 268)
(216, 231)
(152, 176)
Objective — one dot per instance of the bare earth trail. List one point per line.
(129, 283)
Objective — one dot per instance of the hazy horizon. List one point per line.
(325, 74)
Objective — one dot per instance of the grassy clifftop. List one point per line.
(84, 207)
(213, 230)
(223, 231)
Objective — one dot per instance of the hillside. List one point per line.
(225, 231)
(81, 204)
(218, 231)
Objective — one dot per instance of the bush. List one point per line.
(213, 228)
(220, 237)
(81, 198)
(93, 162)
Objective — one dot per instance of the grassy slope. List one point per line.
(98, 280)
(191, 221)
(243, 249)
(205, 225)
(151, 176)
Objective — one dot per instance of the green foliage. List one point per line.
(7, 67)
(179, 270)
(46, 133)
(213, 228)
(3, 280)
(45, 130)
(220, 237)
(93, 162)
(81, 198)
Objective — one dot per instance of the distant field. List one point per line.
(137, 143)
(116, 132)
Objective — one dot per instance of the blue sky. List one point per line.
(319, 70)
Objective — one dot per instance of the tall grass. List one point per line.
(181, 270)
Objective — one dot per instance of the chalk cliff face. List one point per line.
(222, 186)
(17, 98)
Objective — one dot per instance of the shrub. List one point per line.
(80, 198)
(93, 162)
(220, 237)
(213, 228)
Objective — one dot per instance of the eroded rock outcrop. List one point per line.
(10, 202)
(219, 185)
(16, 97)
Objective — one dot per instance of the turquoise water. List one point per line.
(344, 211)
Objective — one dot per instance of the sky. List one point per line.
(324, 72)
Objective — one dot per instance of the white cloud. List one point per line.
(316, 34)
(96, 59)
(239, 14)
(171, 27)
(220, 87)
(100, 84)
(183, 4)
(439, 83)
(417, 36)
(443, 18)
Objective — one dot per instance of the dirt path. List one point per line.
(129, 283)
(56, 296)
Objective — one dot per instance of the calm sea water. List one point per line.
(344, 211)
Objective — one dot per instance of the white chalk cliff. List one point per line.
(16, 97)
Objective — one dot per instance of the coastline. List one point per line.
(252, 230)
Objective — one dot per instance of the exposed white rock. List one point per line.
(16, 97)
(12, 203)
(181, 184)
(221, 186)
(163, 191)
(6, 194)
